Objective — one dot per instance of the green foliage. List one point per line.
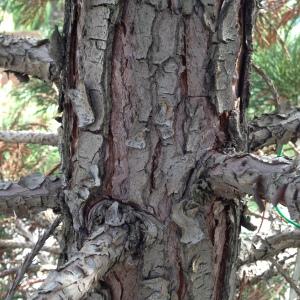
(273, 289)
(281, 64)
(32, 107)
(31, 15)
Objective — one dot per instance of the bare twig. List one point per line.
(29, 137)
(269, 83)
(12, 244)
(296, 274)
(272, 245)
(286, 277)
(29, 258)
(32, 268)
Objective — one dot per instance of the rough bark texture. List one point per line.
(27, 56)
(100, 251)
(273, 129)
(275, 180)
(151, 86)
(29, 137)
(32, 193)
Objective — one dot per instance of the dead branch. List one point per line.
(34, 192)
(268, 274)
(29, 137)
(12, 244)
(21, 229)
(12, 271)
(269, 83)
(271, 246)
(31, 269)
(29, 258)
(276, 180)
(27, 56)
(286, 276)
(296, 275)
(272, 128)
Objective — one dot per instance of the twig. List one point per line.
(32, 268)
(29, 258)
(296, 274)
(50, 172)
(12, 244)
(293, 146)
(269, 83)
(286, 277)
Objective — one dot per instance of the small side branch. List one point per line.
(29, 137)
(269, 83)
(272, 246)
(34, 192)
(273, 128)
(286, 276)
(29, 258)
(27, 56)
(276, 180)
(11, 244)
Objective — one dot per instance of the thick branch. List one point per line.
(272, 246)
(29, 137)
(12, 244)
(27, 56)
(114, 231)
(98, 254)
(34, 192)
(273, 128)
(275, 180)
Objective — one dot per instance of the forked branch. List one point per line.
(265, 249)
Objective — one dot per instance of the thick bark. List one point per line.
(274, 128)
(27, 56)
(32, 193)
(29, 137)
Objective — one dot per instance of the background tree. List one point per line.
(154, 95)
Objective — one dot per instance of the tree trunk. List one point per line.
(150, 87)
(153, 94)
